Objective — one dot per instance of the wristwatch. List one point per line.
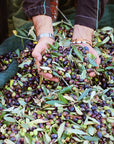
(50, 35)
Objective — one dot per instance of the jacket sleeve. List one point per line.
(89, 12)
(36, 7)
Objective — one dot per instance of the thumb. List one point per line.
(37, 53)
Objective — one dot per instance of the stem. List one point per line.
(25, 37)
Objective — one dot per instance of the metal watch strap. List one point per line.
(83, 41)
(50, 35)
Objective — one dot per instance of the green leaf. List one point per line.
(55, 74)
(89, 138)
(83, 75)
(22, 102)
(103, 42)
(2, 115)
(66, 89)
(7, 141)
(69, 98)
(100, 70)
(27, 61)
(60, 68)
(106, 90)
(26, 126)
(29, 137)
(78, 111)
(18, 52)
(9, 109)
(54, 102)
(20, 32)
(45, 68)
(61, 130)
(2, 100)
(37, 121)
(78, 53)
(94, 120)
(93, 93)
(91, 130)
(45, 90)
(47, 138)
(109, 67)
(54, 130)
(61, 98)
(92, 62)
(9, 119)
(84, 94)
(56, 54)
(76, 131)
(54, 47)
(77, 139)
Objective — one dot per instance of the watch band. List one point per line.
(79, 41)
(50, 35)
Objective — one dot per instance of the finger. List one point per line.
(54, 79)
(37, 64)
(98, 61)
(49, 77)
(46, 75)
(37, 53)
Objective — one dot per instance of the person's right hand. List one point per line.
(40, 49)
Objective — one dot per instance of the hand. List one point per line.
(92, 51)
(40, 49)
(86, 33)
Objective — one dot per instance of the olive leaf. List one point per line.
(83, 75)
(54, 102)
(77, 139)
(78, 111)
(20, 32)
(37, 121)
(91, 130)
(7, 141)
(109, 67)
(84, 94)
(10, 109)
(61, 130)
(93, 93)
(76, 131)
(47, 137)
(27, 61)
(69, 98)
(45, 68)
(91, 61)
(89, 138)
(9, 119)
(60, 68)
(45, 90)
(94, 120)
(32, 33)
(78, 53)
(66, 89)
(61, 98)
(22, 102)
(24, 125)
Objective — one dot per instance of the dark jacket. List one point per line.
(88, 13)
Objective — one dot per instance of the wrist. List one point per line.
(42, 24)
(82, 32)
(48, 35)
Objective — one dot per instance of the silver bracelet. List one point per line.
(50, 35)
